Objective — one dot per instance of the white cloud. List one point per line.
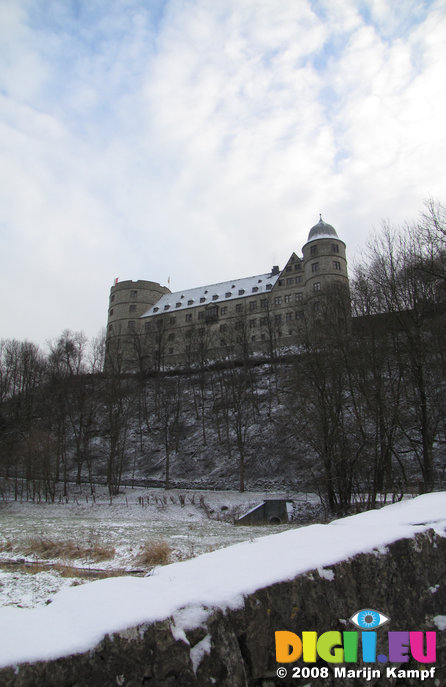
(200, 140)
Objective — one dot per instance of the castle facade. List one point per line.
(149, 327)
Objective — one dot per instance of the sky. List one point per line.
(198, 140)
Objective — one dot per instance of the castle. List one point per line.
(149, 327)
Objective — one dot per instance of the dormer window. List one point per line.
(269, 287)
(190, 301)
(241, 292)
(202, 299)
(228, 294)
(178, 305)
(155, 309)
(166, 307)
(255, 289)
(215, 297)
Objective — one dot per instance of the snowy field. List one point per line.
(106, 538)
(78, 618)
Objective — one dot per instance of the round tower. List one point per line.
(325, 264)
(128, 301)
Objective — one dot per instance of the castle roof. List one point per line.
(322, 230)
(213, 294)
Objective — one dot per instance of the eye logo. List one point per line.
(368, 619)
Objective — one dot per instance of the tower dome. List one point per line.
(322, 230)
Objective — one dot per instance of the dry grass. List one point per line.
(45, 548)
(154, 552)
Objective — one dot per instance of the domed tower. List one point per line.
(325, 265)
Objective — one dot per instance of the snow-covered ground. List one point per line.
(132, 519)
(78, 617)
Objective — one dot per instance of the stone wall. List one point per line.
(407, 582)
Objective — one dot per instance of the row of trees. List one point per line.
(358, 412)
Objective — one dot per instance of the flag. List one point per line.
(116, 280)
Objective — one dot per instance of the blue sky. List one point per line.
(200, 139)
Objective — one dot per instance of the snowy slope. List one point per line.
(79, 617)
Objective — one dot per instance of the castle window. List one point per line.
(171, 337)
(155, 309)
(223, 310)
(131, 324)
(147, 326)
(239, 324)
(280, 282)
(253, 323)
(277, 318)
(315, 267)
(269, 287)
(317, 286)
(290, 280)
(188, 317)
(170, 351)
(201, 315)
(211, 313)
(289, 268)
(111, 311)
(316, 306)
(313, 250)
(287, 298)
(263, 321)
(178, 305)
(299, 314)
(336, 265)
(253, 338)
(264, 303)
(223, 327)
(289, 316)
(112, 298)
(241, 292)
(239, 307)
(299, 280)
(228, 294)
(298, 297)
(172, 320)
(215, 297)
(278, 300)
(253, 305)
(190, 301)
(334, 248)
(133, 294)
(202, 299)
(166, 307)
(132, 308)
(255, 289)
(298, 266)
(110, 328)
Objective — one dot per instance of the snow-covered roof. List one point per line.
(213, 293)
(79, 617)
(322, 230)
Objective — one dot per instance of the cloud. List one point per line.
(200, 140)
